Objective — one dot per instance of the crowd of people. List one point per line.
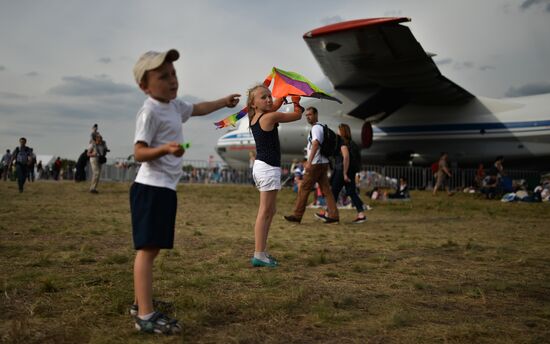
(21, 164)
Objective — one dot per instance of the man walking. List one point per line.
(443, 174)
(316, 170)
(21, 156)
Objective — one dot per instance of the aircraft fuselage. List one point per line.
(476, 132)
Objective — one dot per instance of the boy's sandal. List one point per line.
(158, 323)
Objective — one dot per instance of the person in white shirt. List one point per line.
(315, 171)
(153, 201)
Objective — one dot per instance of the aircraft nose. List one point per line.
(219, 147)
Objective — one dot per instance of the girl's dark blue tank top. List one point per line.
(268, 148)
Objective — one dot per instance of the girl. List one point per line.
(264, 121)
(346, 166)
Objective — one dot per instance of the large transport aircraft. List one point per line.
(402, 109)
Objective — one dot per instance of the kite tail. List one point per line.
(231, 120)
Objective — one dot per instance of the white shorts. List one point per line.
(266, 177)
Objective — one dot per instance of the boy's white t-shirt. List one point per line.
(156, 124)
(316, 134)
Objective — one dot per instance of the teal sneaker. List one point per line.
(260, 263)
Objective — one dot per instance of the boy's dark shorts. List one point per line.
(153, 216)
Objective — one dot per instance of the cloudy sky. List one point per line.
(65, 65)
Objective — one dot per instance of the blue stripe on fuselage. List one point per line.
(238, 136)
(461, 127)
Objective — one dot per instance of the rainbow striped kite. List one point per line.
(284, 84)
(231, 119)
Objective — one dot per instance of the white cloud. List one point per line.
(529, 89)
(80, 86)
(526, 4)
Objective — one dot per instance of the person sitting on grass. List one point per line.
(402, 192)
(490, 185)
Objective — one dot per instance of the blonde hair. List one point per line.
(250, 100)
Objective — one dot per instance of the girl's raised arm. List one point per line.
(284, 117)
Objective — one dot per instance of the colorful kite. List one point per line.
(284, 84)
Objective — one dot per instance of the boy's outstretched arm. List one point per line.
(204, 108)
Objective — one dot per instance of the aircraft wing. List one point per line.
(383, 56)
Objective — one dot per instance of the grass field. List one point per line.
(434, 270)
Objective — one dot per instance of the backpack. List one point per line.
(329, 146)
(22, 156)
(435, 167)
(101, 151)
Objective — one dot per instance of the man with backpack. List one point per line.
(21, 156)
(97, 152)
(321, 142)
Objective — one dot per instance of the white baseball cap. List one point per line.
(151, 60)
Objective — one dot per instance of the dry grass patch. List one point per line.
(436, 269)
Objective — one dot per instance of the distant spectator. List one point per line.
(542, 193)
(94, 133)
(498, 176)
(376, 194)
(57, 168)
(21, 157)
(490, 184)
(81, 163)
(94, 153)
(319, 199)
(298, 172)
(499, 161)
(402, 191)
(32, 164)
(5, 165)
(39, 170)
(47, 172)
(443, 174)
(480, 175)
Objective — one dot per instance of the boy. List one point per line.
(153, 200)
